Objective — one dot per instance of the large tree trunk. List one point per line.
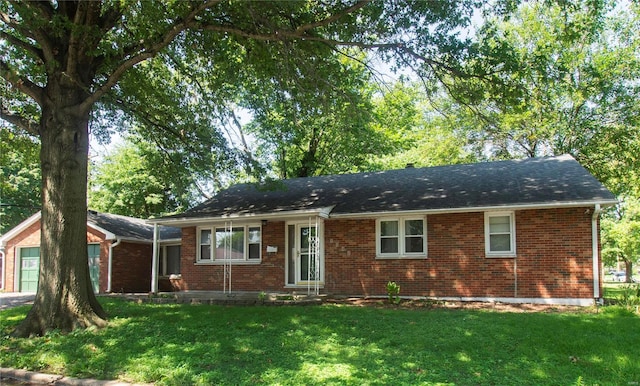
(65, 299)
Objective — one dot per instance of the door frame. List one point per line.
(298, 224)
(17, 284)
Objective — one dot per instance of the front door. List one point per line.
(29, 269)
(307, 259)
(304, 257)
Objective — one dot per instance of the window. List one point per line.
(239, 243)
(205, 244)
(401, 237)
(499, 229)
(254, 243)
(229, 243)
(169, 262)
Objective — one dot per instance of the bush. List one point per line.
(629, 297)
(393, 291)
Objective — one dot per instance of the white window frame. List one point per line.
(512, 234)
(402, 253)
(212, 257)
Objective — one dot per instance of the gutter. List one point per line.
(568, 204)
(322, 212)
(595, 238)
(118, 241)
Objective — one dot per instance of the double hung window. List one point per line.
(225, 243)
(401, 237)
(500, 239)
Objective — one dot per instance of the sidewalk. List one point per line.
(14, 299)
(34, 378)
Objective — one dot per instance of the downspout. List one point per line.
(596, 255)
(154, 260)
(4, 264)
(515, 277)
(109, 268)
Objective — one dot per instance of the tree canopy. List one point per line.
(175, 66)
(569, 85)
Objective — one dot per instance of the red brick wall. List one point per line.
(553, 259)
(266, 276)
(554, 253)
(131, 267)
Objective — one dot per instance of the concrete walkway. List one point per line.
(34, 378)
(14, 299)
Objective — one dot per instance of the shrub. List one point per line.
(393, 291)
(630, 297)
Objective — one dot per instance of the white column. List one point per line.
(154, 259)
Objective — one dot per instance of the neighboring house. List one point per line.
(519, 231)
(120, 252)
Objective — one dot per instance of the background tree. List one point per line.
(417, 132)
(59, 59)
(621, 236)
(568, 85)
(19, 178)
(141, 180)
(304, 130)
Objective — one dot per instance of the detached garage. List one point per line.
(120, 252)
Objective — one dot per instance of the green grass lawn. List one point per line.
(336, 344)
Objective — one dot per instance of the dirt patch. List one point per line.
(441, 304)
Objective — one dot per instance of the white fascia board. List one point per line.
(170, 241)
(323, 212)
(133, 240)
(107, 235)
(571, 204)
(19, 228)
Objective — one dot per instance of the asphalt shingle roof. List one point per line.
(130, 227)
(534, 181)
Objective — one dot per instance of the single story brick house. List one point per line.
(513, 231)
(120, 252)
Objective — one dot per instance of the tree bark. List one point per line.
(628, 266)
(64, 299)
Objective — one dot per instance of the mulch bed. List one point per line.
(462, 305)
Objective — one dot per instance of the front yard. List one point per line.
(337, 344)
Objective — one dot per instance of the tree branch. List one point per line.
(34, 51)
(6, 19)
(334, 17)
(179, 26)
(44, 8)
(24, 85)
(45, 11)
(75, 36)
(25, 124)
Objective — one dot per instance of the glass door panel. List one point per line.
(308, 253)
